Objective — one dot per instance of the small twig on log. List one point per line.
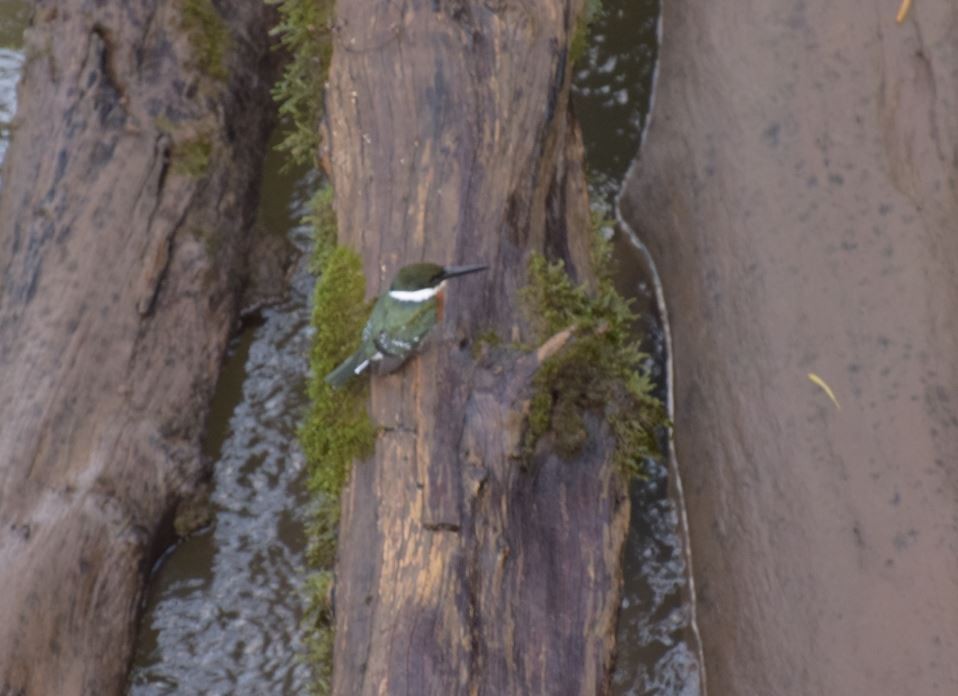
(529, 363)
(554, 344)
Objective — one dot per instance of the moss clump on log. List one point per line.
(320, 635)
(602, 368)
(192, 157)
(209, 37)
(304, 32)
(322, 219)
(337, 429)
(192, 145)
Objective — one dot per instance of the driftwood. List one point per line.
(461, 569)
(798, 191)
(127, 189)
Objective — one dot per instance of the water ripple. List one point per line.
(11, 63)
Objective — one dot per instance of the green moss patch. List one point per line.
(192, 157)
(602, 369)
(209, 36)
(320, 634)
(337, 429)
(322, 219)
(304, 32)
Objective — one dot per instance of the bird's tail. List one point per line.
(350, 367)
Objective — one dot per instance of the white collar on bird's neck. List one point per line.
(416, 295)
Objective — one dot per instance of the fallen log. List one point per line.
(462, 566)
(128, 189)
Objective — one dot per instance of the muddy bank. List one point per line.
(128, 187)
(798, 190)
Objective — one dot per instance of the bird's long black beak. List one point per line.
(453, 271)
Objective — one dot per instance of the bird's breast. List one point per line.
(440, 302)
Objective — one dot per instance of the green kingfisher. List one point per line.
(400, 320)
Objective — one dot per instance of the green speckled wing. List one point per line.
(397, 328)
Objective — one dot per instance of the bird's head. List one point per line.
(427, 276)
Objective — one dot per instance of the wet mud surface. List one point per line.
(797, 188)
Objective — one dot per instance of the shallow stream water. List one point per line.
(223, 609)
(13, 19)
(658, 649)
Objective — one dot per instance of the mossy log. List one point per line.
(119, 285)
(462, 567)
(797, 188)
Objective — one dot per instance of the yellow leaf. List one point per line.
(903, 11)
(825, 388)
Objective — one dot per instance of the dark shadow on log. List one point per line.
(127, 192)
(462, 568)
(798, 191)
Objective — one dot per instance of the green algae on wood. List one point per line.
(192, 149)
(192, 157)
(209, 36)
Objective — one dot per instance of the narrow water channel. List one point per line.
(224, 606)
(658, 649)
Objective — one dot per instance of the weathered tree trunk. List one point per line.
(460, 570)
(798, 191)
(127, 190)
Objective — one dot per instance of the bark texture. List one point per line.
(460, 570)
(127, 190)
(798, 190)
